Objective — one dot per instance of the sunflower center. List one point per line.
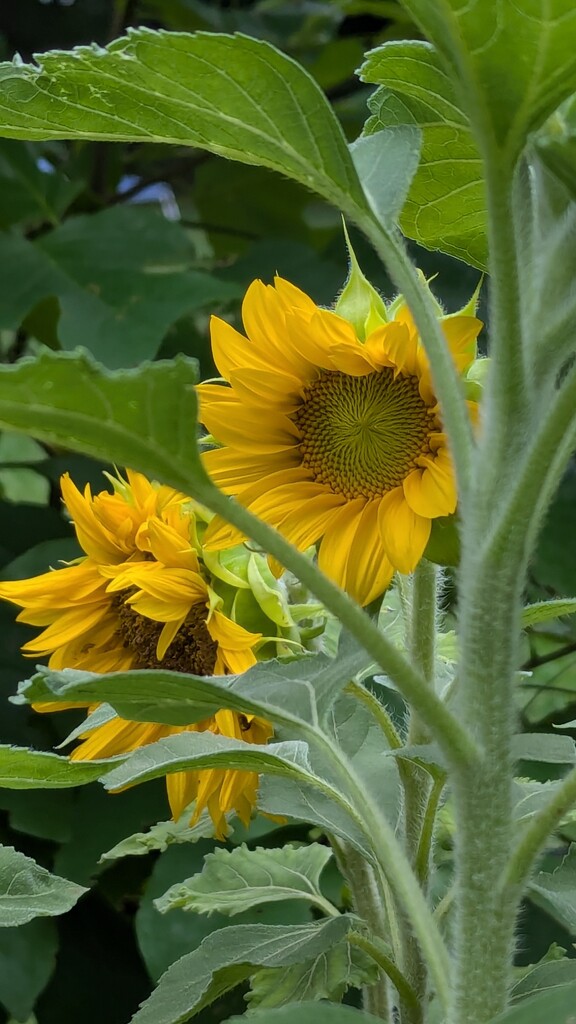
(362, 435)
(192, 649)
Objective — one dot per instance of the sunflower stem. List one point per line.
(418, 807)
(491, 582)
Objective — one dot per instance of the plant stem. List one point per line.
(415, 779)
(534, 837)
(490, 588)
(377, 950)
(378, 711)
(368, 905)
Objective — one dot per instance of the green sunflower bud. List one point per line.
(359, 302)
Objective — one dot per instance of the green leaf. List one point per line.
(554, 1007)
(235, 880)
(188, 751)
(28, 890)
(544, 611)
(556, 144)
(310, 1013)
(162, 835)
(27, 960)
(120, 310)
(386, 162)
(445, 208)
(289, 798)
(556, 892)
(545, 976)
(235, 96)
(140, 418)
(28, 193)
(540, 746)
(514, 63)
(326, 976)
(33, 769)
(228, 957)
(288, 693)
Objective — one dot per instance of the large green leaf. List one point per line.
(232, 95)
(142, 418)
(33, 769)
(325, 976)
(297, 801)
(191, 751)
(445, 208)
(162, 835)
(28, 890)
(513, 63)
(292, 694)
(28, 193)
(556, 891)
(235, 880)
(228, 957)
(118, 306)
(555, 1006)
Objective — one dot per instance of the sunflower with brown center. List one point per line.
(142, 597)
(330, 438)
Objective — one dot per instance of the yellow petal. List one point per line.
(369, 571)
(93, 538)
(461, 333)
(232, 471)
(431, 491)
(258, 431)
(181, 788)
(335, 547)
(404, 534)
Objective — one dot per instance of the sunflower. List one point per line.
(142, 597)
(330, 438)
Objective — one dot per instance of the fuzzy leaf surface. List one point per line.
(515, 61)
(190, 751)
(232, 881)
(227, 957)
(556, 891)
(140, 418)
(28, 890)
(445, 207)
(232, 95)
(327, 976)
(21, 768)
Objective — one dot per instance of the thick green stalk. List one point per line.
(416, 780)
(490, 588)
(378, 952)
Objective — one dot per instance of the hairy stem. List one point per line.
(415, 779)
(533, 838)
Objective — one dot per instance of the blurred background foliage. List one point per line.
(126, 250)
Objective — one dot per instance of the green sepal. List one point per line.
(359, 302)
(443, 547)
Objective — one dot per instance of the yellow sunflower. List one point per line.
(329, 438)
(141, 597)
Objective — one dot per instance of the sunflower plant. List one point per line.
(259, 615)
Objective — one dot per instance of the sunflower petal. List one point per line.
(404, 533)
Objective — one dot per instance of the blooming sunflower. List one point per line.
(141, 597)
(330, 438)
